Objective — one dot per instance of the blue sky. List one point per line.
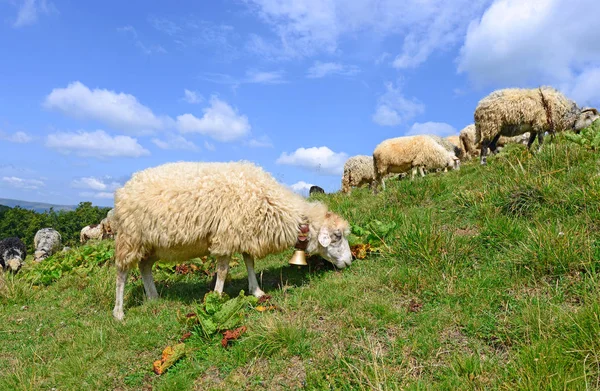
(91, 92)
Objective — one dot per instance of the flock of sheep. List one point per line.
(505, 116)
(179, 211)
(46, 242)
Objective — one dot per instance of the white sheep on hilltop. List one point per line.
(467, 141)
(47, 241)
(403, 154)
(95, 231)
(512, 112)
(358, 171)
(180, 211)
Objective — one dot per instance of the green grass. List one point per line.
(489, 280)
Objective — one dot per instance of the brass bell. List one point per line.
(298, 258)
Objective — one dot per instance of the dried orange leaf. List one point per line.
(230, 335)
(169, 356)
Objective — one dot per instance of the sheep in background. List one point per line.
(315, 189)
(402, 154)
(95, 231)
(12, 254)
(108, 220)
(47, 241)
(512, 112)
(358, 171)
(180, 211)
(107, 232)
(448, 145)
(467, 141)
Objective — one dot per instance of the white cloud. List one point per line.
(17, 137)
(322, 69)
(21, 183)
(107, 184)
(438, 128)
(261, 142)
(192, 97)
(30, 10)
(393, 108)
(252, 76)
(320, 159)
(220, 122)
(535, 42)
(95, 144)
(100, 194)
(118, 110)
(263, 77)
(209, 146)
(301, 188)
(175, 142)
(307, 27)
(130, 30)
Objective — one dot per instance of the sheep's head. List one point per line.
(13, 259)
(453, 163)
(332, 242)
(585, 118)
(40, 255)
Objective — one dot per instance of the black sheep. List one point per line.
(316, 189)
(12, 253)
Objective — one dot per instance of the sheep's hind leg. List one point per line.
(146, 272)
(121, 280)
(222, 270)
(252, 282)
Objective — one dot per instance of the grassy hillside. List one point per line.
(35, 206)
(487, 280)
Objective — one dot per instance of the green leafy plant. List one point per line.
(588, 137)
(82, 260)
(219, 313)
(374, 233)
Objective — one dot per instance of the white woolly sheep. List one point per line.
(358, 171)
(95, 231)
(12, 253)
(467, 141)
(511, 112)
(184, 210)
(402, 154)
(47, 241)
(447, 144)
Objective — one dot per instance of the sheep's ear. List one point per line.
(324, 238)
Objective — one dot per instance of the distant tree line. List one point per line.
(24, 223)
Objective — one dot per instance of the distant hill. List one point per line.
(35, 206)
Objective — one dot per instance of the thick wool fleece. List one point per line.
(179, 211)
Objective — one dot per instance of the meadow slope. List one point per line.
(488, 280)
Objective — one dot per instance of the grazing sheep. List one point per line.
(12, 254)
(107, 232)
(358, 171)
(180, 211)
(316, 189)
(108, 219)
(94, 231)
(402, 154)
(47, 241)
(467, 141)
(512, 112)
(448, 145)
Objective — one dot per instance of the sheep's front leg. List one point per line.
(531, 140)
(121, 280)
(252, 282)
(146, 272)
(222, 270)
(540, 137)
(483, 153)
(421, 171)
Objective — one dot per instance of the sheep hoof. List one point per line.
(118, 314)
(258, 293)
